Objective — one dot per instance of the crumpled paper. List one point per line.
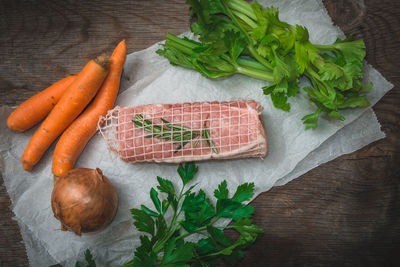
(148, 78)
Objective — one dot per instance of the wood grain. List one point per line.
(345, 212)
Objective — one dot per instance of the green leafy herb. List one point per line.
(240, 37)
(180, 134)
(164, 241)
(89, 260)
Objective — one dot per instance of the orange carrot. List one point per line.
(36, 108)
(73, 101)
(74, 139)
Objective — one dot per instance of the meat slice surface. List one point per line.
(175, 133)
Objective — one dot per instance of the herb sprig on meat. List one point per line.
(180, 134)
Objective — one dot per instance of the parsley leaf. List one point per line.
(156, 200)
(248, 231)
(187, 172)
(222, 191)
(144, 255)
(198, 211)
(177, 253)
(165, 186)
(148, 211)
(143, 221)
(244, 192)
(228, 208)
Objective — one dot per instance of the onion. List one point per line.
(84, 200)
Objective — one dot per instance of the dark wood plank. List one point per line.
(42, 41)
(345, 212)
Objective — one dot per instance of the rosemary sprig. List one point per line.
(180, 134)
(207, 139)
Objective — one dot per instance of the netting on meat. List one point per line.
(185, 131)
(107, 127)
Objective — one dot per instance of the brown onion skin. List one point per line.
(84, 201)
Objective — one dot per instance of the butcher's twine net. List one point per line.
(107, 127)
(218, 129)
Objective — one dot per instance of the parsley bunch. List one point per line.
(163, 242)
(239, 37)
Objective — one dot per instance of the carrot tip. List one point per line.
(27, 166)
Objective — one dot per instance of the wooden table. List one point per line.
(345, 212)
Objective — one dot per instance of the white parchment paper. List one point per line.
(149, 78)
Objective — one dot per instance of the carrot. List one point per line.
(73, 101)
(74, 139)
(36, 108)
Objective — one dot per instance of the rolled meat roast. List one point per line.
(175, 133)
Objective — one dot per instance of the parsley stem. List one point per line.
(203, 228)
(159, 244)
(212, 254)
